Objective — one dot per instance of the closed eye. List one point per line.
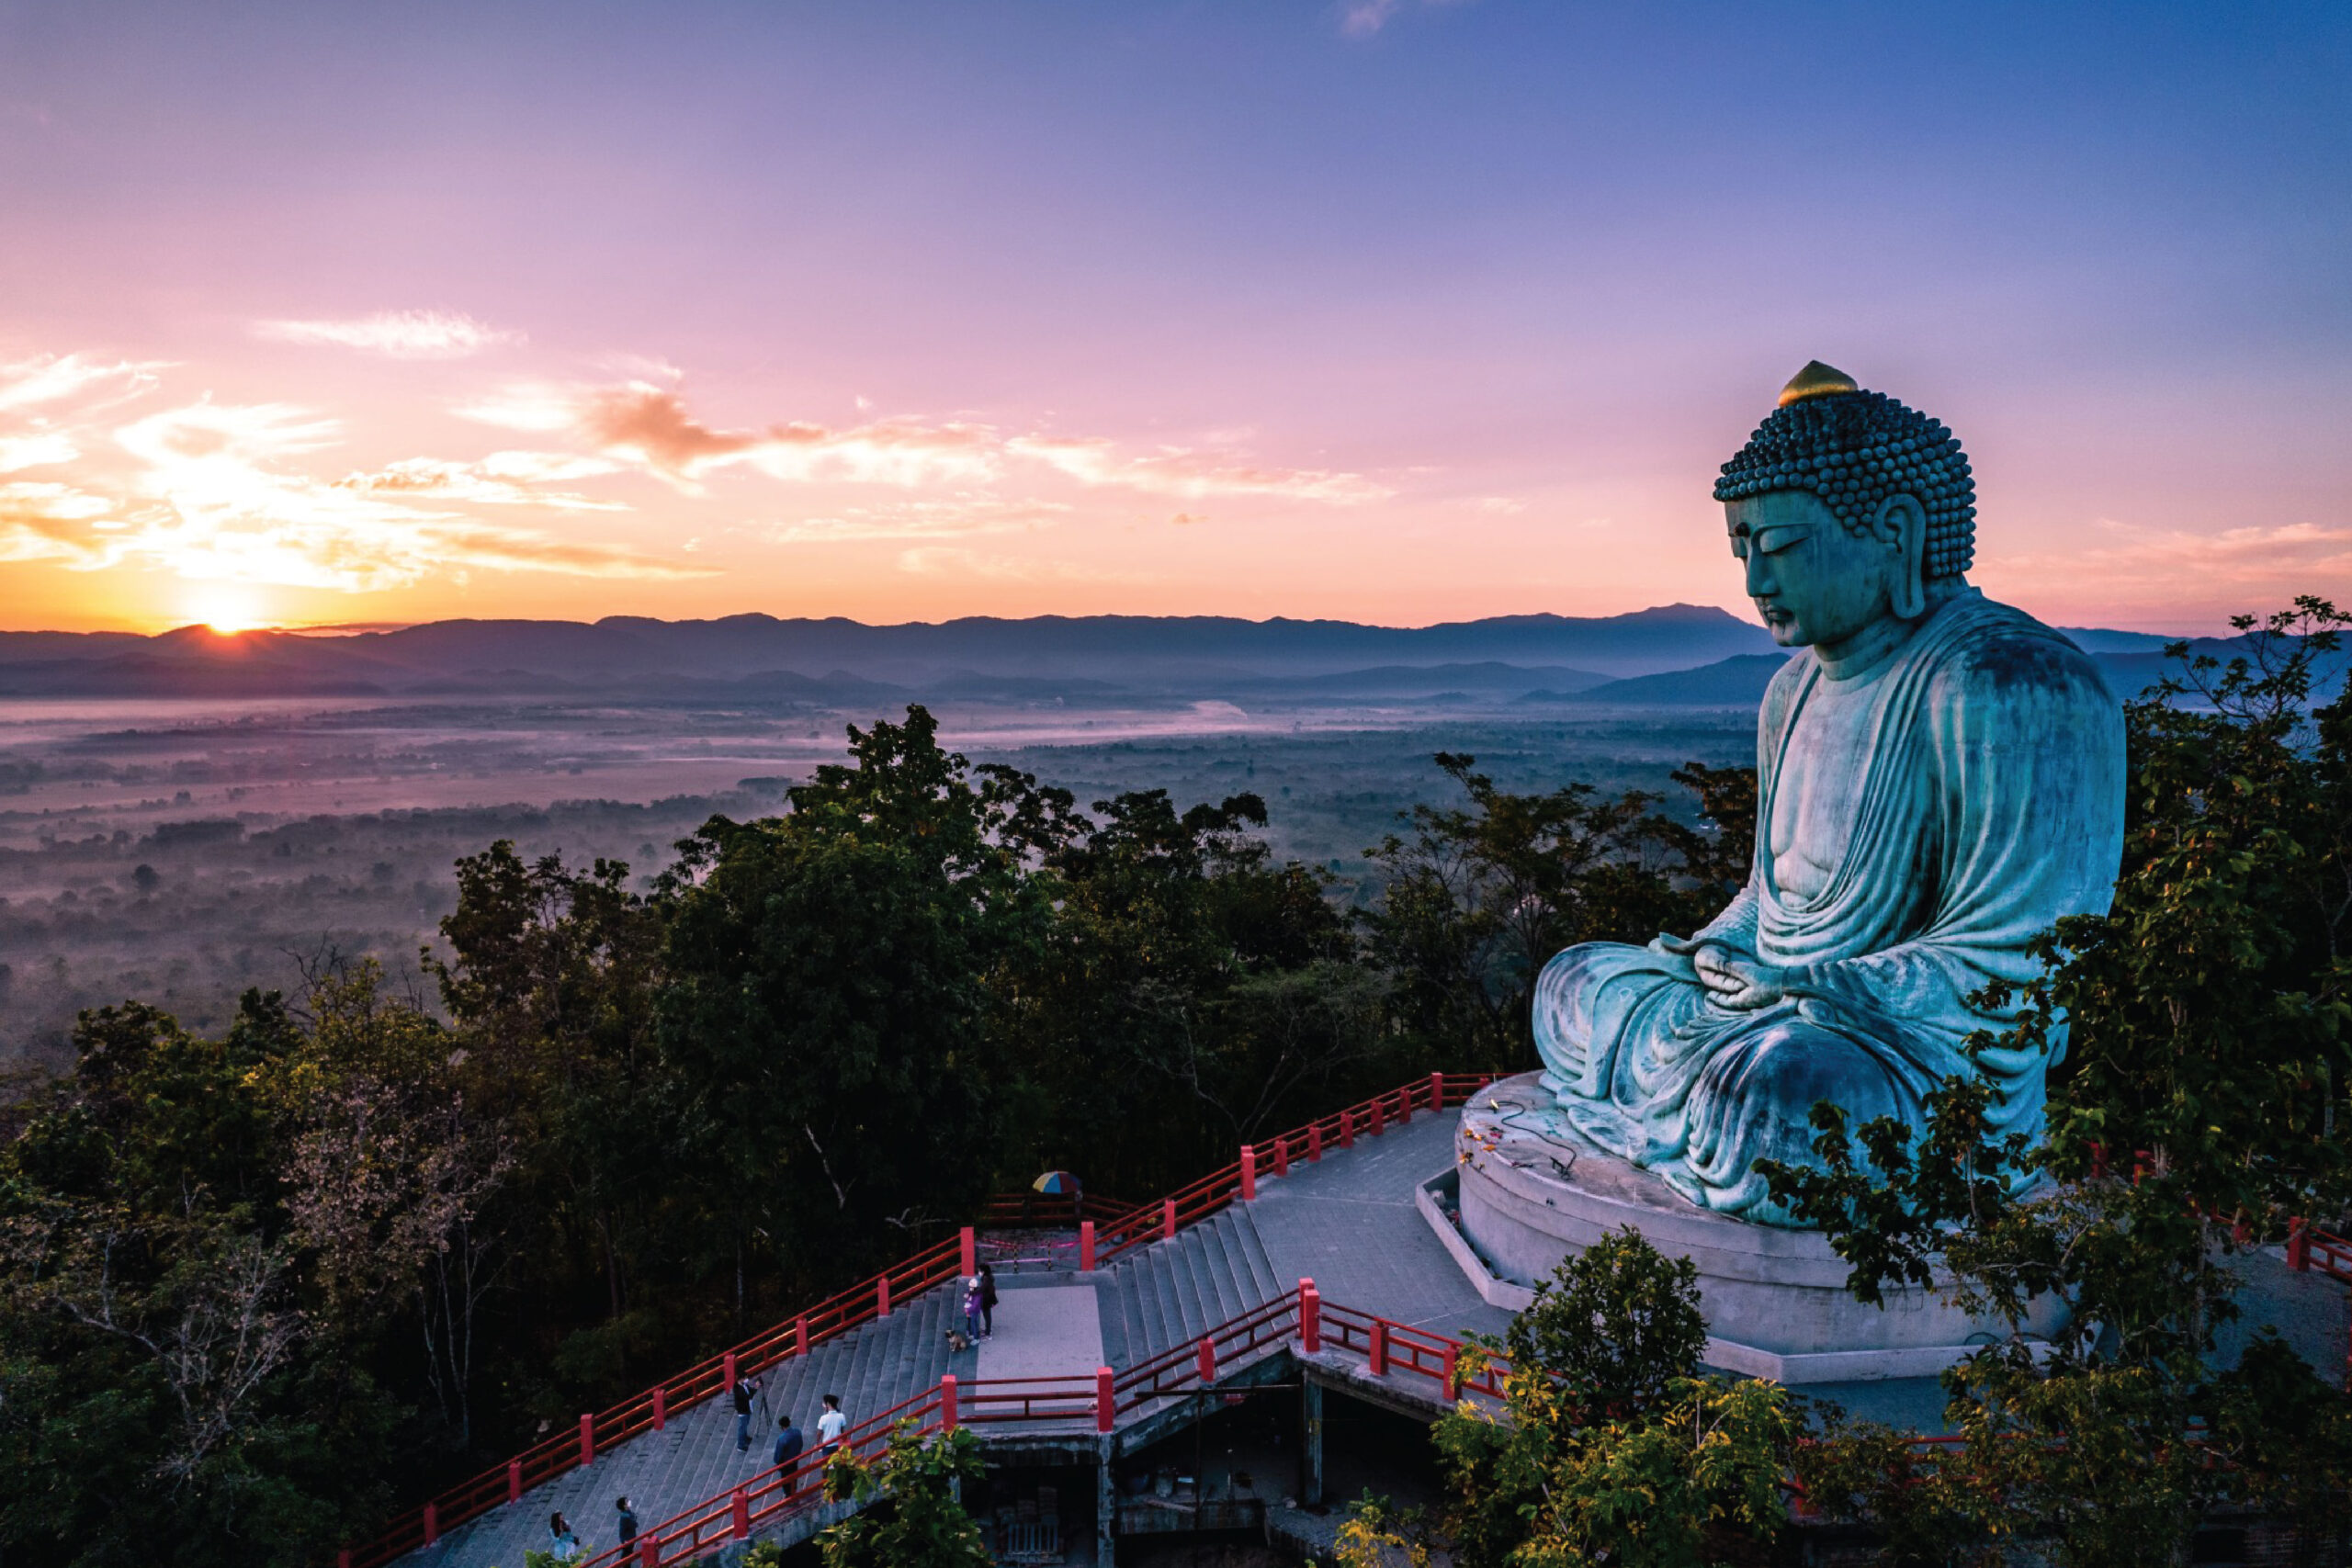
(1772, 541)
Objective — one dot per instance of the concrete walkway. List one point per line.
(1052, 1331)
(1350, 1224)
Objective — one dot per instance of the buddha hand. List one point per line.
(1737, 980)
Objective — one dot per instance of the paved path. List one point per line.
(1053, 1331)
(1349, 1222)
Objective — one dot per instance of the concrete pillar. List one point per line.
(1106, 1508)
(1310, 1450)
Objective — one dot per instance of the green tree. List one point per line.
(163, 1375)
(823, 1016)
(1612, 1448)
(914, 1513)
(1480, 897)
(1187, 993)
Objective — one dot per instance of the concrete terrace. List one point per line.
(1348, 1221)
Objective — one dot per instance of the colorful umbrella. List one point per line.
(1056, 1184)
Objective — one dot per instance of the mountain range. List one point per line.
(1673, 654)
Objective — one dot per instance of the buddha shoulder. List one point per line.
(2009, 654)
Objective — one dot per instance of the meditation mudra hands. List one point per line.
(1734, 979)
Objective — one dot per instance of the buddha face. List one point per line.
(1815, 580)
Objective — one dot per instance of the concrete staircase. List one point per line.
(873, 1368)
(1161, 1297)
(1171, 1292)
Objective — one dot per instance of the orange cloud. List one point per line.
(649, 425)
(503, 479)
(2212, 575)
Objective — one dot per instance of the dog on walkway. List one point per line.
(958, 1340)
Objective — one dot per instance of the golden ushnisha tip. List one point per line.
(1817, 381)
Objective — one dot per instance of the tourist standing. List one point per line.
(627, 1520)
(972, 1308)
(745, 1392)
(787, 1453)
(562, 1545)
(830, 1426)
(988, 1301)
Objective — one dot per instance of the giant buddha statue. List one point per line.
(1941, 778)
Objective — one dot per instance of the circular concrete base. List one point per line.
(1531, 1190)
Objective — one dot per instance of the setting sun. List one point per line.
(226, 608)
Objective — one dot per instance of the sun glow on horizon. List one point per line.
(228, 608)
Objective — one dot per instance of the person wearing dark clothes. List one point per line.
(745, 1391)
(628, 1521)
(789, 1444)
(988, 1301)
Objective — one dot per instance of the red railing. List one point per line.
(1394, 1347)
(1368, 1118)
(1181, 1370)
(1108, 1231)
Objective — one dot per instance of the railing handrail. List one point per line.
(801, 1479)
(859, 1303)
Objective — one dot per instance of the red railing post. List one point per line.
(1167, 1218)
(1248, 1172)
(739, 1506)
(661, 1406)
(1380, 1116)
(1346, 1129)
(432, 1523)
(1403, 1104)
(1281, 1155)
(514, 1480)
(587, 1437)
(1437, 1092)
(2299, 1244)
(882, 1296)
(969, 1257)
(1086, 1245)
(649, 1552)
(1452, 1364)
(1207, 1366)
(727, 1370)
(1314, 1142)
(1379, 1357)
(800, 1335)
(342, 1558)
(1105, 1400)
(947, 1402)
(1310, 1318)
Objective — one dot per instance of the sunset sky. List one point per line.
(1383, 310)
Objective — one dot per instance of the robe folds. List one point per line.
(1987, 802)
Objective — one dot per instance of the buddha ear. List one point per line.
(1902, 523)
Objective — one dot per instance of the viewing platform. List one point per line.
(1317, 1265)
(1342, 1213)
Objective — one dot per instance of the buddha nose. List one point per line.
(1759, 575)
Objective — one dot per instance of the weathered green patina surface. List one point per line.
(1941, 778)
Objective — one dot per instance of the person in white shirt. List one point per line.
(830, 1426)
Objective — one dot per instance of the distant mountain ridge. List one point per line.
(1146, 654)
(760, 659)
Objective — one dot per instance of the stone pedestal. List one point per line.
(1528, 1190)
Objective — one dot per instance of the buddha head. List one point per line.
(1847, 508)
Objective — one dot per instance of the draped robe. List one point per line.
(1984, 801)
